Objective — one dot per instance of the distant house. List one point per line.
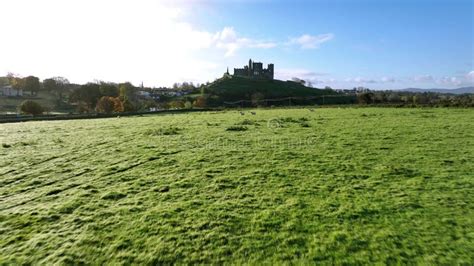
(10, 91)
(144, 94)
(169, 92)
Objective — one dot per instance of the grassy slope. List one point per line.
(238, 88)
(358, 185)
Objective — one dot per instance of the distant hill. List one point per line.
(462, 90)
(238, 88)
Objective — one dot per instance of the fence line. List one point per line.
(24, 118)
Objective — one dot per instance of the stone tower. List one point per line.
(270, 71)
(250, 67)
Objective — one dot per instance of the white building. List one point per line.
(144, 94)
(10, 91)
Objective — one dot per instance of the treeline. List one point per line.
(100, 96)
(29, 83)
(109, 97)
(57, 85)
(105, 97)
(398, 98)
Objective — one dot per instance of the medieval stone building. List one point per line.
(255, 70)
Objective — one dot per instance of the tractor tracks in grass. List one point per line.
(17, 179)
(56, 191)
(65, 159)
(28, 189)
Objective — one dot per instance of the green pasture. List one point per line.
(330, 186)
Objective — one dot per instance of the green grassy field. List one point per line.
(286, 185)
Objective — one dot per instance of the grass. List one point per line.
(237, 128)
(162, 131)
(354, 186)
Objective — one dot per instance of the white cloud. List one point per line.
(423, 78)
(388, 79)
(450, 81)
(307, 41)
(470, 76)
(361, 80)
(228, 40)
(447, 81)
(371, 81)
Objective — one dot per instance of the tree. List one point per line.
(200, 102)
(421, 98)
(128, 106)
(127, 91)
(49, 84)
(88, 93)
(31, 107)
(380, 97)
(188, 105)
(62, 85)
(128, 96)
(176, 104)
(109, 89)
(16, 82)
(393, 98)
(32, 84)
(57, 85)
(108, 104)
(4, 81)
(405, 98)
(365, 98)
(118, 105)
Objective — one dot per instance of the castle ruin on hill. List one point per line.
(255, 70)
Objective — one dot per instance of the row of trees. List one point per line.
(109, 104)
(416, 99)
(198, 102)
(57, 85)
(105, 97)
(185, 86)
(99, 96)
(30, 83)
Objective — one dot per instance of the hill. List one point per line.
(461, 90)
(238, 88)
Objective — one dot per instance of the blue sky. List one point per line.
(404, 43)
(383, 44)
